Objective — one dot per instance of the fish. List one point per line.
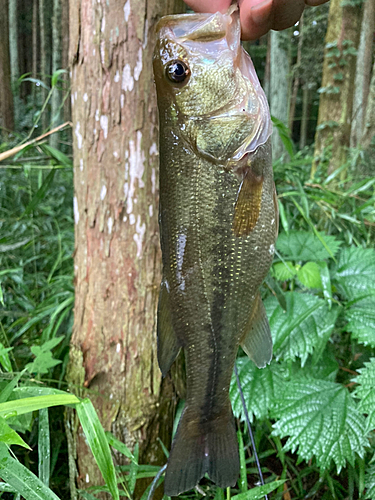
(218, 218)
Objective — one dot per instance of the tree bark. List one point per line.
(65, 54)
(34, 72)
(43, 56)
(363, 73)
(6, 96)
(306, 101)
(368, 137)
(336, 98)
(279, 71)
(13, 42)
(296, 82)
(117, 256)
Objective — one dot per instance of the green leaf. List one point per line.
(284, 134)
(259, 492)
(361, 320)
(44, 449)
(355, 272)
(305, 246)
(322, 421)
(9, 436)
(365, 392)
(119, 446)
(57, 155)
(21, 479)
(284, 270)
(40, 194)
(259, 386)
(243, 472)
(98, 443)
(56, 75)
(309, 275)
(306, 325)
(27, 405)
(370, 482)
(325, 278)
(4, 358)
(44, 360)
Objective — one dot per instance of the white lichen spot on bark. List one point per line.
(122, 100)
(115, 154)
(131, 219)
(104, 125)
(75, 210)
(81, 164)
(110, 225)
(78, 135)
(153, 149)
(103, 192)
(85, 97)
(136, 169)
(138, 65)
(127, 79)
(102, 28)
(87, 478)
(145, 35)
(139, 235)
(118, 347)
(127, 10)
(97, 115)
(151, 210)
(102, 51)
(153, 181)
(117, 77)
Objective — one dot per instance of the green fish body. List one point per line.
(218, 224)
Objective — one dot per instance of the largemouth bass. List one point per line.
(218, 224)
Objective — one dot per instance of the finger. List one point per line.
(208, 5)
(257, 20)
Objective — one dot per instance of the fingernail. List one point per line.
(261, 12)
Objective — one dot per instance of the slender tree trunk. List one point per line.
(34, 72)
(363, 73)
(13, 51)
(117, 256)
(6, 96)
(267, 69)
(369, 128)
(336, 98)
(306, 101)
(65, 54)
(279, 70)
(56, 100)
(43, 56)
(296, 82)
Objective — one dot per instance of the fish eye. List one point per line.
(177, 71)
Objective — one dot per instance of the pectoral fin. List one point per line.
(257, 340)
(247, 209)
(168, 345)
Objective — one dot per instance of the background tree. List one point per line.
(6, 96)
(117, 257)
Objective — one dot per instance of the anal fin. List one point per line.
(168, 345)
(257, 340)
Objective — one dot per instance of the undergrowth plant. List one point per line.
(312, 408)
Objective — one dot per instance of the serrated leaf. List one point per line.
(259, 386)
(306, 325)
(355, 272)
(309, 275)
(361, 320)
(365, 392)
(306, 246)
(284, 270)
(370, 482)
(322, 421)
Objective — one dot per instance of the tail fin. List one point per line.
(201, 447)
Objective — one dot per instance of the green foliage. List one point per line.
(365, 392)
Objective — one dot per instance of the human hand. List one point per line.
(259, 16)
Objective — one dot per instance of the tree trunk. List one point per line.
(336, 98)
(369, 128)
(363, 73)
(279, 70)
(65, 54)
(6, 96)
(34, 72)
(43, 56)
(56, 64)
(296, 83)
(117, 256)
(267, 70)
(306, 101)
(13, 52)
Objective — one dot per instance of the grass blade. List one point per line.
(259, 492)
(40, 194)
(44, 449)
(98, 443)
(27, 405)
(243, 474)
(21, 479)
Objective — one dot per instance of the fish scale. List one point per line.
(217, 204)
